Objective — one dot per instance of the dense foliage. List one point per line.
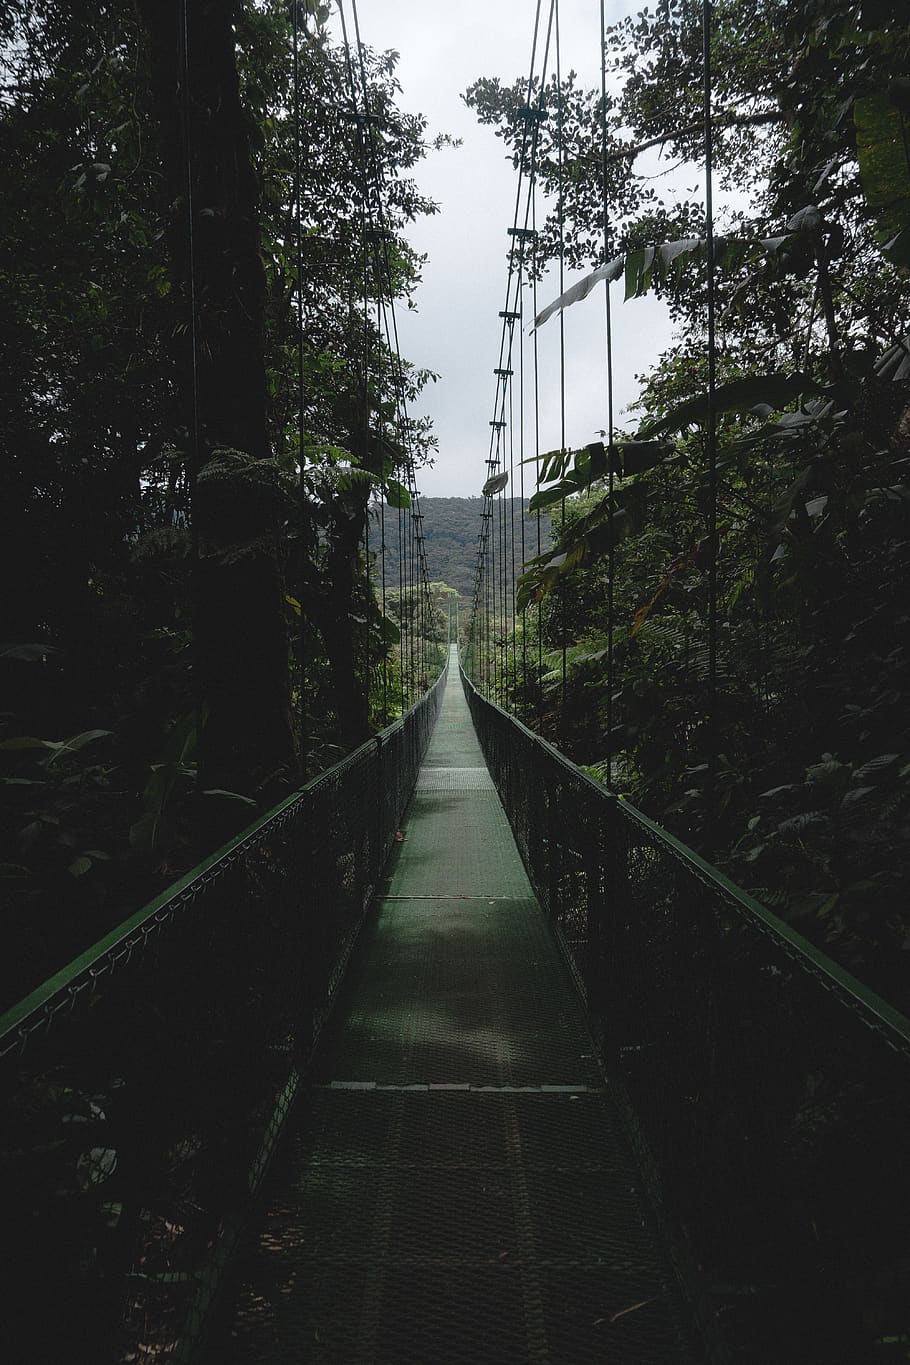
(795, 776)
(189, 619)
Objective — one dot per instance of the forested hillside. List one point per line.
(451, 528)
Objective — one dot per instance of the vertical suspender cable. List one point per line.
(194, 429)
(419, 575)
(194, 432)
(511, 506)
(711, 427)
(364, 424)
(534, 306)
(412, 596)
(493, 590)
(521, 490)
(611, 552)
(361, 420)
(562, 349)
(412, 618)
(302, 532)
(503, 562)
(533, 196)
(380, 434)
(491, 578)
(494, 600)
(385, 654)
(412, 574)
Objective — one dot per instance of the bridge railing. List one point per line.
(768, 1091)
(144, 1086)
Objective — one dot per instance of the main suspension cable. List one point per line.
(496, 597)
(415, 572)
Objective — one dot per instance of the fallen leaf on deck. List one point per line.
(631, 1309)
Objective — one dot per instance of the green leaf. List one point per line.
(151, 832)
(635, 262)
(555, 463)
(597, 459)
(640, 456)
(882, 138)
(547, 497)
(354, 477)
(894, 364)
(229, 796)
(808, 219)
(96, 1166)
(740, 395)
(28, 742)
(396, 495)
(875, 767)
(76, 742)
(79, 866)
(31, 653)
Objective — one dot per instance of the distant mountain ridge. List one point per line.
(451, 528)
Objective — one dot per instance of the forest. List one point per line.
(770, 733)
(467, 1040)
(201, 398)
(451, 532)
(167, 492)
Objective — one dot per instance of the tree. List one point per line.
(813, 307)
(163, 520)
(241, 646)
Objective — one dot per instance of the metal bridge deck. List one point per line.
(458, 1187)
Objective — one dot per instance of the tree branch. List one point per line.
(721, 121)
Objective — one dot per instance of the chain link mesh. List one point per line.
(145, 1086)
(768, 1089)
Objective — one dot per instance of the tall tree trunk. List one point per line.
(240, 627)
(345, 627)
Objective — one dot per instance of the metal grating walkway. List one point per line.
(458, 1187)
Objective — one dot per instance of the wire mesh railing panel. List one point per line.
(767, 1088)
(144, 1087)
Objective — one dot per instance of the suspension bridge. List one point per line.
(494, 1071)
(454, 1055)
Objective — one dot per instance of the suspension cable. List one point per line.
(611, 446)
(423, 600)
(521, 491)
(499, 589)
(382, 544)
(534, 307)
(562, 351)
(302, 530)
(711, 427)
(511, 513)
(194, 432)
(413, 576)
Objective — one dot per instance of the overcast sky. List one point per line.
(455, 329)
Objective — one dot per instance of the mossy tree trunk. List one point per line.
(241, 646)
